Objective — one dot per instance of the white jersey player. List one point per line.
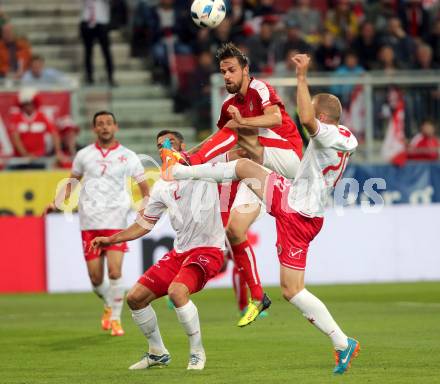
(197, 256)
(104, 203)
(298, 206)
(321, 168)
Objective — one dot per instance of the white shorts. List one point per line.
(285, 162)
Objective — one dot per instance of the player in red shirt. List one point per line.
(254, 117)
(425, 145)
(29, 128)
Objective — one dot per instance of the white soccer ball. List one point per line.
(208, 13)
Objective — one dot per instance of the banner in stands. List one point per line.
(23, 255)
(399, 243)
(27, 193)
(415, 183)
(54, 104)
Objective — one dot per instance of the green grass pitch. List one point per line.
(56, 339)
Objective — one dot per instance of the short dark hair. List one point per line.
(101, 113)
(229, 50)
(164, 132)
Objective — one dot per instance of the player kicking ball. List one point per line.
(194, 210)
(298, 206)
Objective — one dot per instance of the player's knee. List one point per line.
(96, 278)
(289, 291)
(114, 274)
(134, 301)
(178, 294)
(235, 233)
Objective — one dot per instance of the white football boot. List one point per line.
(149, 360)
(197, 360)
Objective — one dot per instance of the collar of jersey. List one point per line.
(106, 151)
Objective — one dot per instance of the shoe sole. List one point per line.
(157, 365)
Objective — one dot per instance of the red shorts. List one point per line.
(294, 231)
(87, 237)
(159, 276)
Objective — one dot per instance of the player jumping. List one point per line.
(254, 117)
(298, 206)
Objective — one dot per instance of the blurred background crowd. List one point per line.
(344, 37)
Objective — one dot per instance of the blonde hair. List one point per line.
(329, 105)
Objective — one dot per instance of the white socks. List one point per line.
(102, 291)
(146, 320)
(116, 297)
(188, 316)
(220, 172)
(317, 313)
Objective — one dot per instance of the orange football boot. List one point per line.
(117, 328)
(105, 319)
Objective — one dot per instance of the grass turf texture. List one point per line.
(57, 339)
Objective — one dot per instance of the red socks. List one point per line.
(240, 289)
(244, 259)
(224, 140)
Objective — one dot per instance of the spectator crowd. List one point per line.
(344, 38)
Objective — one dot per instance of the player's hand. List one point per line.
(99, 242)
(232, 124)
(50, 208)
(302, 62)
(235, 114)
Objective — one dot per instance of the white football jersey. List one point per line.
(194, 211)
(104, 200)
(321, 168)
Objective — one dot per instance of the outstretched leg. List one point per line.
(222, 141)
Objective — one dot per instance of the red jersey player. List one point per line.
(254, 117)
(197, 256)
(104, 203)
(298, 206)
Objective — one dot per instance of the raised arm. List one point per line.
(306, 110)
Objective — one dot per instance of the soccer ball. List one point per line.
(208, 13)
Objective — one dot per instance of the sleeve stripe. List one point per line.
(152, 217)
(139, 176)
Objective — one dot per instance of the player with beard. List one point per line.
(253, 116)
(104, 203)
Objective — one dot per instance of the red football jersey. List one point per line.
(32, 130)
(259, 96)
(423, 147)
